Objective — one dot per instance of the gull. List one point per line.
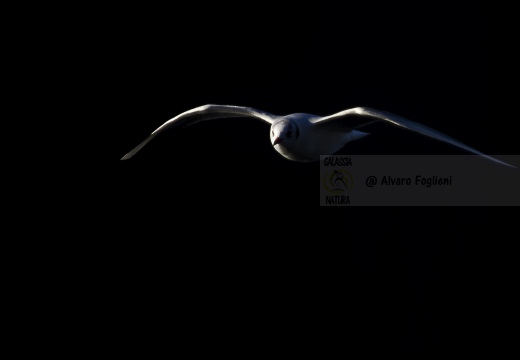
(305, 137)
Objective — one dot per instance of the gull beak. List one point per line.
(276, 141)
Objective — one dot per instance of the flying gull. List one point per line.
(305, 137)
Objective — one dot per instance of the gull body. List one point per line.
(305, 137)
(296, 137)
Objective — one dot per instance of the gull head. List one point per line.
(284, 138)
(284, 132)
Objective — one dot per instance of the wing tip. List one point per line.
(510, 165)
(499, 161)
(128, 155)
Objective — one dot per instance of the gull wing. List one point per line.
(201, 113)
(354, 118)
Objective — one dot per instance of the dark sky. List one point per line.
(215, 214)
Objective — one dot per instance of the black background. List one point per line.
(209, 237)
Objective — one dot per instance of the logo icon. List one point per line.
(337, 181)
